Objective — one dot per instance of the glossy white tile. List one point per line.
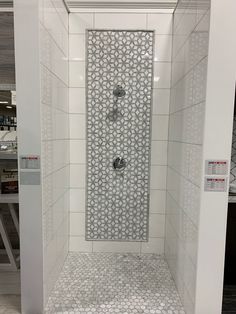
(55, 26)
(158, 177)
(77, 100)
(159, 153)
(77, 200)
(77, 47)
(157, 201)
(77, 105)
(156, 226)
(77, 224)
(186, 123)
(77, 126)
(77, 73)
(160, 127)
(154, 245)
(161, 101)
(161, 23)
(116, 247)
(162, 74)
(162, 48)
(78, 151)
(79, 244)
(54, 70)
(118, 21)
(77, 176)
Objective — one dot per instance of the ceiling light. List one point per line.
(9, 107)
(3, 102)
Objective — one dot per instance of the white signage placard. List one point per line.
(216, 167)
(215, 184)
(30, 162)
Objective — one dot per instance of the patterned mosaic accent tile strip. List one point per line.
(233, 155)
(114, 283)
(118, 201)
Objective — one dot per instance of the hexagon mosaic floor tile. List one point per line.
(118, 127)
(114, 283)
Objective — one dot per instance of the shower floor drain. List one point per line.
(114, 283)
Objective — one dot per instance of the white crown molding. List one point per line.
(144, 5)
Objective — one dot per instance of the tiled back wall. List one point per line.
(78, 23)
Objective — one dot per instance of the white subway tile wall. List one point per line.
(186, 122)
(54, 36)
(78, 23)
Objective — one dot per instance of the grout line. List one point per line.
(202, 102)
(188, 72)
(52, 38)
(182, 142)
(59, 15)
(55, 75)
(186, 179)
(192, 31)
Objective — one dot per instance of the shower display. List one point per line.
(119, 94)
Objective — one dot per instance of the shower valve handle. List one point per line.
(119, 163)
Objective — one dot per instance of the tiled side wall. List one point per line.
(55, 138)
(78, 23)
(187, 107)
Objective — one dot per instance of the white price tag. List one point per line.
(215, 184)
(216, 167)
(30, 162)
